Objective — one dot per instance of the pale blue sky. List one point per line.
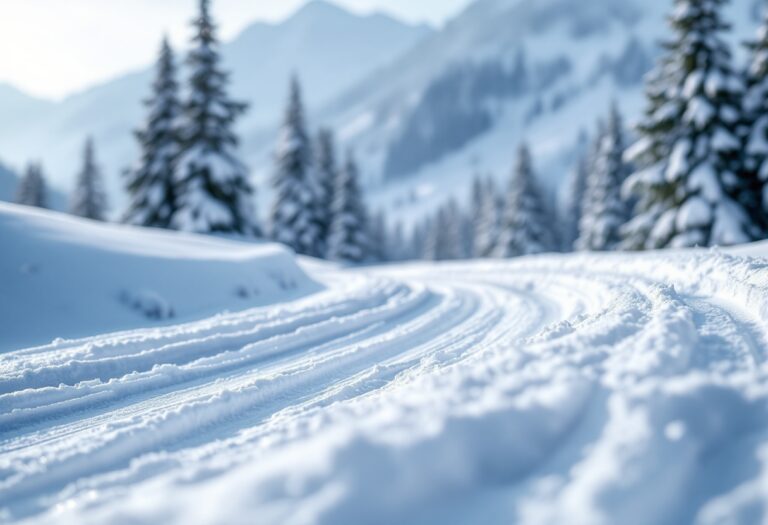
(52, 48)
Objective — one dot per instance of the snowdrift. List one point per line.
(63, 277)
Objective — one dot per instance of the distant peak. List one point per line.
(320, 8)
(315, 10)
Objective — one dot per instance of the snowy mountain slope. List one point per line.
(330, 48)
(19, 108)
(67, 277)
(603, 48)
(558, 389)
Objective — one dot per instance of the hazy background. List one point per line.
(57, 38)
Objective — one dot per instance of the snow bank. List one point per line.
(66, 277)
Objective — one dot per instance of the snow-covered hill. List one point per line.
(590, 389)
(330, 48)
(68, 277)
(577, 56)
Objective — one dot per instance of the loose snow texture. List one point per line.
(67, 277)
(555, 389)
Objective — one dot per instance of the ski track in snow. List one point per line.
(584, 389)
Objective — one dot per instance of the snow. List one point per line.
(68, 277)
(584, 389)
(695, 212)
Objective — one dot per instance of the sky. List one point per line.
(53, 48)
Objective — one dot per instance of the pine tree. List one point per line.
(378, 238)
(397, 244)
(445, 236)
(151, 184)
(418, 246)
(755, 109)
(604, 209)
(573, 199)
(326, 170)
(32, 187)
(690, 184)
(349, 239)
(89, 199)
(296, 218)
(456, 232)
(525, 228)
(486, 217)
(213, 191)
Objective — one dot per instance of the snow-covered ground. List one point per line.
(597, 389)
(66, 277)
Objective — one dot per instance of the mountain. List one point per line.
(330, 48)
(17, 107)
(500, 72)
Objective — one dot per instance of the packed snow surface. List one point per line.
(554, 389)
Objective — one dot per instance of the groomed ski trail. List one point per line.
(588, 389)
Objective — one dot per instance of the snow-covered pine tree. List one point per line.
(418, 245)
(213, 193)
(89, 199)
(445, 236)
(690, 184)
(378, 238)
(295, 217)
(573, 197)
(397, 244)
(455, 228)
(755, 108)
(525, 227)
(604, 209)
(573, 207)
(326, 170)
(486, 218)
(349, 239)
(151, 183)
(32, 187)
(435, 236)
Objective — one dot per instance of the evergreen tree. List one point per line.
(487, 217)
(378, 238)
(445, 238)
(524, 226)
(326, 176)
(349, 239)
(89, 199)
(397, 244)
(32, 187)
(455, 231)
(690, 184)
(756, 114)
(573, 201)
(604, 209)
(151, 183)
(296, 218)
(418, 246)
(213, 191)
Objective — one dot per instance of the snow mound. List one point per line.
(67, 277)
